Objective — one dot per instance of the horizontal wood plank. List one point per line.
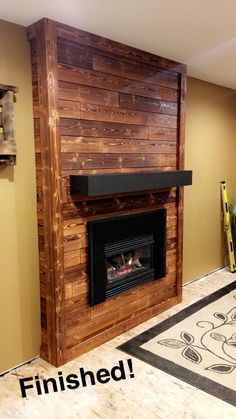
(69, 109)
(92, 160)
(110, 47)
(107, 81)
(110, 114)
(81, 144)
(86, 128)
(76, 349)
(160, 133)
(75, 55)
(87, 94)
(101, 206)
(117, 145)
(136, 71)
(170, 94)
(129, 101)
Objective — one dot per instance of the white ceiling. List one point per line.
(200, 33)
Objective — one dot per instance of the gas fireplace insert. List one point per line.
(124, 252)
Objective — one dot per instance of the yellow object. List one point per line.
(228, 226)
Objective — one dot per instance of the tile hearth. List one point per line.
(150, 394)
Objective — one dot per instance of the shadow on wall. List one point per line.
(7, 173)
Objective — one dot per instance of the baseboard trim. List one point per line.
(223, 268)
(18, 366)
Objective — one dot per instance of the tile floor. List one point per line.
(151, 394)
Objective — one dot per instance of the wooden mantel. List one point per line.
(100, 107)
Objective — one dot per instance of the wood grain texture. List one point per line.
(110, 114)
(135, 71)
(69, 109)
(113, 109)
(46, 47)
(81, 161)
(142, 103)
(85, 128)
(87, 94)
(68, 54)
(102, 80)
(112, 48)
(117, 145)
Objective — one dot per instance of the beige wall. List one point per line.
(19, 285)
(210, 151)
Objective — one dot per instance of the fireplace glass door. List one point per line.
(129, 260)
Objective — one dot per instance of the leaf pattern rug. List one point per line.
(197, 345)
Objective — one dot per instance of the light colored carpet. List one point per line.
(204, 342)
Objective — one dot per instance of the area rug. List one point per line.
(196, 345)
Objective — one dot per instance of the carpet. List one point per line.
(196, 345)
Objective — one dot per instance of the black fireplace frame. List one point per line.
(111, 229)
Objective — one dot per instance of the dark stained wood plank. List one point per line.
(73, 227)
(35, 94)
(163, 134)
(108, 160)
(68, 172)
(117, 145)
(130, 101)
(69, 109)
(33, 52)
(74, 55)
(136, 71)
(79, 239)
(50, 160)
(110, 114)
(108, 81)
(78, 274)
(124, 146)
(81, 144)
(162, 147)
(169, 94)
(87, 94)
(85, 128)
(34, 73)
(87, 209)
(75, 257)
(111, 47)
(71, 243)
(102, 145)
(36, 127)
(78, 316)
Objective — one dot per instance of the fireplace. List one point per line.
(124, 252)
(109, 135)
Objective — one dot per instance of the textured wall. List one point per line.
(19, 285)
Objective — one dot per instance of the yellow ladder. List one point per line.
(228, 226)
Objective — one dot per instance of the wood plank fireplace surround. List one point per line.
(109, 141)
